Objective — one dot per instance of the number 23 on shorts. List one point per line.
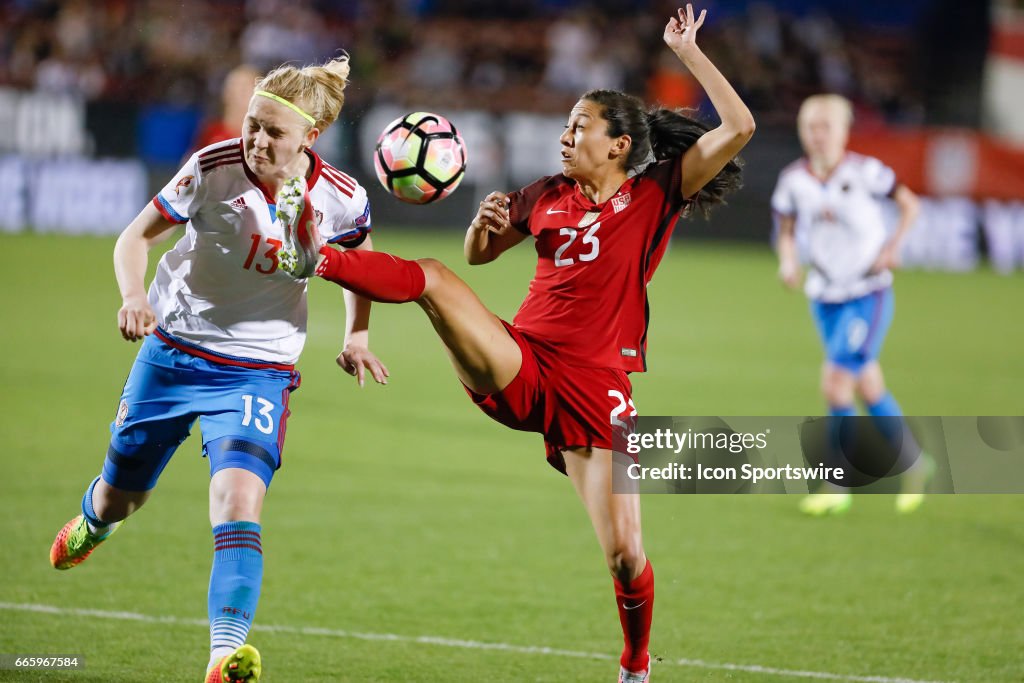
(623, 405)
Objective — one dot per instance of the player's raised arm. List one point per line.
(703, 160)
(135, 318)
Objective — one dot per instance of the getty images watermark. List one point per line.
(798, 454)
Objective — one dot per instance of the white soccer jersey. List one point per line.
(839, 219)
(220, 286)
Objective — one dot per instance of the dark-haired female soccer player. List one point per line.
(600, 229)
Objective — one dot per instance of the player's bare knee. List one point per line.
(870, 393)
(871, 386)
(235, 502)
(433, 269)
(625, 560)
(836, 389)
(436, 275)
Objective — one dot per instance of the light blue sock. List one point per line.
(235, 582)
(842, 411)
(886, 406)
(888, 418)
(96, 525)
(836, 456)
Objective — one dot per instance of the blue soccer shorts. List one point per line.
(241, 410)
(853, 331)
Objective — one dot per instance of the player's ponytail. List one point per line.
(318, 90)
(672, 133)
(662, 134)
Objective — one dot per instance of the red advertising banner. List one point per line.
(947, 162)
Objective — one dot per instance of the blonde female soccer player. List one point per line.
(600, 229)
(837, 196)
(223, 326)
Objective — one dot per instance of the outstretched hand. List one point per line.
(356, 360)
(681, 32)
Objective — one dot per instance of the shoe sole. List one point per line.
(295, 213)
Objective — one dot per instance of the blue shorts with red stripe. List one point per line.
(241, 405)
(853, 331)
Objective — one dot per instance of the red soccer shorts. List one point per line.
(571, 406)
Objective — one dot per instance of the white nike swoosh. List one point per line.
(550, 212)
(625, 606)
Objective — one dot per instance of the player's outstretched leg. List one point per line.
(301, 250)
(373, 275)
(484, 355)
(80, 536)
(243, 664)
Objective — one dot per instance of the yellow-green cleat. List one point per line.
(913, 484)
(822, 504)
(241, 665)
(74, 543)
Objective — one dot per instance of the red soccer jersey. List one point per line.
(588, 298)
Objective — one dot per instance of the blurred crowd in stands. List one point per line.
(535, 55)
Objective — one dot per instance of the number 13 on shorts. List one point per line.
(258, 412)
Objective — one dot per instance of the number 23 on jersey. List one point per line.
(589, 247)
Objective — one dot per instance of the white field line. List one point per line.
(448, 642)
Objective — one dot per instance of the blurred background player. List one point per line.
(235, 95)
(836, 196)
(223, 328)
(600, 229)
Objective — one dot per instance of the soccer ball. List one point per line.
(420, 158)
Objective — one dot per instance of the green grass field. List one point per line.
(408, 538)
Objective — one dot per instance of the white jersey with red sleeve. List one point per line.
(842, 224)
(220, 288)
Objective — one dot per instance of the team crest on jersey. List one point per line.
(365, 217)
(621, 202)
(184, 182)
(319, 216)
(122, 413)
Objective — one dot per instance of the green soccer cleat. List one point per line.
(913, 484)
(74, 543)
(241, 665)
(301, 250)
(821, 504)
